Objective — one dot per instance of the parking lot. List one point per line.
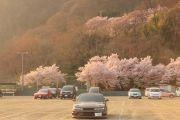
(119, 108)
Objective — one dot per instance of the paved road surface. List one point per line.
(119, 108)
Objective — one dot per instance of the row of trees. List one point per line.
(112, 72)
(50, 75)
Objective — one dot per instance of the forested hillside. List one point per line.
(17, 16)
(64, 38)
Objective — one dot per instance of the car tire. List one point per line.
(171, 96)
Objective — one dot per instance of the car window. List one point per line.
(90, 98)
(43, 90)
(134, 90)
(94, 90)
(67, 88)
(155, 90)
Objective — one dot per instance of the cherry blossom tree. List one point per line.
(112, 26)
(110, 71)
(155, 75)
(44, 76)
(95, 72)
(172, 72)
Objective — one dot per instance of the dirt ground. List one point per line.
(119, 108)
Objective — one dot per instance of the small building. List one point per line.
(168, 87)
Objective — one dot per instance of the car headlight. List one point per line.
(75, 107)
(99, 108)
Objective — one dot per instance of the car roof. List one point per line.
(91, 94)
(94, 88)
(154, 88)
(68, 86)
(134, 89)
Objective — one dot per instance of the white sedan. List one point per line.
(134, 93)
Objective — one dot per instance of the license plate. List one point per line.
(98, 114)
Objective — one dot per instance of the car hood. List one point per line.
(89, 104)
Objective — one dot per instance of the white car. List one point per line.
(178, 91)
(146, 92)
(134, 93)
(154, 92)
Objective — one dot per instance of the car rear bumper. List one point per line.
(67, 95)
(154, 97)
(135, 96)
(88, 115)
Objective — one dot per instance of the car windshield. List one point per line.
(43, 90)
(90, 98)
(52, 89)
(155, 90)
(67, 88)
(134, 90)
(94, 90)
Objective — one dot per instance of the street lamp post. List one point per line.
(22, 67)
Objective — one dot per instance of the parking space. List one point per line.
(119, 108)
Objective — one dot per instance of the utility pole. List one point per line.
(22, 67)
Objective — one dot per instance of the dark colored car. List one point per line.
(68, 91)
(94, 90)
(1, 94)
(43, 94)
(90, 105)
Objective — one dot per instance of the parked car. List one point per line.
(134, 93)
(1, 93)
(154, 92)
(55, 92)
(43, 94)
(166, 93)
(68, 91)
(146, 92)
(178, 91)
(90, 105)
(94, 90)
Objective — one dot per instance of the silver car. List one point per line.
(134, 93)
(90, 105)
(94, 90)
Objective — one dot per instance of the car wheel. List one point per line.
(171, 96)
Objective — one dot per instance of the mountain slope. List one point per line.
(61, 38)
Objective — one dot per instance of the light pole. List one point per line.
(22, 67)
